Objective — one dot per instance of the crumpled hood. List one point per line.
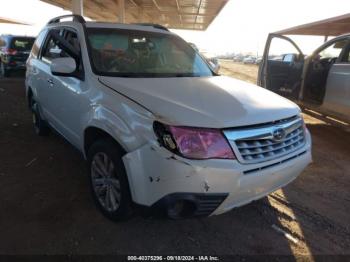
(216, 102)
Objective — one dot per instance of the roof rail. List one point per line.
(76, 18)
(153, 25)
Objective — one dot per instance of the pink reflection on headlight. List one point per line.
(201, 143)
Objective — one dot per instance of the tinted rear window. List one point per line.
(22, 43)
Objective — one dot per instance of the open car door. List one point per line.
(282, 66)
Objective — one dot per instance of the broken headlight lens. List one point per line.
(195, 143)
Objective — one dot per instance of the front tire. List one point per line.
(40, 126)
(108, 180)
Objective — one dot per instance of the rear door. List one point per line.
(281, 67)
(337, 93)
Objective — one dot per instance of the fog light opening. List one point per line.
(181, 209)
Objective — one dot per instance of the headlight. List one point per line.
(193, 142)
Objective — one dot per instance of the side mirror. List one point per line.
(65, 66)
(214, 66)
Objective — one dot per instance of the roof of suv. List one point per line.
(140, 27)
(80, 20)
(136, 27)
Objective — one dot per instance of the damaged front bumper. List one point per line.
(210, 187)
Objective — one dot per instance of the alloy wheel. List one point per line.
(105, 182)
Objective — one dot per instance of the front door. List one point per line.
(64, 102)
(336, 98)
(282, 66)
(324, 71)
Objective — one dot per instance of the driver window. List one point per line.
(282, 50)
(52, 50)
(332, 52)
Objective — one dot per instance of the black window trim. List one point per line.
(81, 60)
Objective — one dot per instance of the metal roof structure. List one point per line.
(329, 27)
(11, 21)
(175, 14)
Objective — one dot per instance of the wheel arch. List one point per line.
(94, 133)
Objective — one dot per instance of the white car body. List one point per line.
(126, 109)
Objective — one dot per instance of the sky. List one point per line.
(242, 26)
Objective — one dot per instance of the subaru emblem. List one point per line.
(278, 134)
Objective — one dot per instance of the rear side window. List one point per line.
(38, 43)
(22, 43)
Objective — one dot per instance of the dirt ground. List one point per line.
(238, 70)
(46, 207)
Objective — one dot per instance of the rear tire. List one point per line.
(3, 71)
(108, 180)
(40, 126)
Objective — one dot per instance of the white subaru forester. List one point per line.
(157, 126)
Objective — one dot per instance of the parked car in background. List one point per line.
(238, 58)
(14, 52)
(320, 81)
(156, 125)
(249, 60)
(258, 60)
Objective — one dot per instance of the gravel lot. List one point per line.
(46, 207)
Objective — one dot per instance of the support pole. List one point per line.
(121, 13)
(78, 7)
(326, 38)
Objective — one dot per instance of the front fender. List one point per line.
(130, 132)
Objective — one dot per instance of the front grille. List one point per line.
(264, 149)
(260, 144)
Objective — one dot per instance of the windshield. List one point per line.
(22, 43)
(126, 53)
